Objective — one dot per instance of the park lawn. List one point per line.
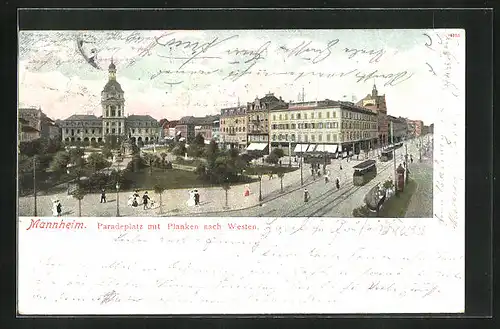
(170, 178)
(396, 206)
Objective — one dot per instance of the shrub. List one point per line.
(361, 211)
(388, 184)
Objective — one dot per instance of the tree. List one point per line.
(159, 188)
(163, 156)
(211, 153)
(199, 140)
(60, 161)
(281, 174)
(278, 152)
(149, 159)
(226, 186)
(93, 143)
(106, 152)
(180, 149)
(272, 158)
(79, 194)
(97, 161)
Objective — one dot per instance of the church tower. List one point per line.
(113, 106)
(374, 91)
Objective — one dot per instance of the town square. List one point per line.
(319, 155)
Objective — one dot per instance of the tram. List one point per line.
(364, 172)
(386, 155)
(317, 157)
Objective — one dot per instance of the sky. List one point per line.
(171, 74)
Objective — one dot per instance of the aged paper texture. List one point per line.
(241, 172)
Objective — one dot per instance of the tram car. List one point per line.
(317, 157)
(364, 172)
(386, 155)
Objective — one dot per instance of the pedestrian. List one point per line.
(54, 208)
(196, 198)
(340, 166)
(326, 179)
(306, 195)
(103, 196)
(145, 199)
(59, 208)
(135, 203)
(411, 158)
(337, 183)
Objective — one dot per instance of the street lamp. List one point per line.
(260, 186)
(34, 182)
(117, 198)
(301, 166)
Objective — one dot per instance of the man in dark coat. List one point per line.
(145, 199)
(103, 196)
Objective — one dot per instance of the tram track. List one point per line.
(326, 203)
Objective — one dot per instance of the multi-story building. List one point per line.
(216, 130)
(233, 127)
(399, 127)
(258, 125)
(377, 104)
(186, 127)
(113, 121)
(38, 120)
(26, 133)
(329, 126)
(415, 128)
(169, 128)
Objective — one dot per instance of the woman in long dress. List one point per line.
(190, 201)
(54, 208)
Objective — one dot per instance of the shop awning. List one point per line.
(311, 147)
(327, 148)
(256, 147)
(300, 148)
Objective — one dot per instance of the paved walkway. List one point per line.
(421, 203)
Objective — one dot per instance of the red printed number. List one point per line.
(454, 35)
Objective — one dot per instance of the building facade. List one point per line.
(233, 127)
(415, 128)
(169, 128)
(216, 130)
(400, 128)
(36, 119)
(113, 122)
(377, 104)
(26, 133)
(258, 123)
(188, 126)
(336, 126)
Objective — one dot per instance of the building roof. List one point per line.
(82, 117)
(112, 85)
(136, 117)
(233, 111)
(29, 129)
(170, 124)
(269, 98)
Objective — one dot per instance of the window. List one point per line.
(78, 131)
(286, 116)
(107, 130)
(274, 137)
(313, 138)
(319, 115)
(293, 116)
(107, 113)
(320, 137)
(119, 130)
(335, 137)
(293, 125)
(133, 131)
(293, 137)
(286, 137)
(298, 115)
(67, 131)
(320, 125)
(287, 126)
(113, 123)
(113, 130)
(274, 117)
(305, 138)
(312, 115)
(328, 137)
(147, 130)
(113, 113)
(328, 114)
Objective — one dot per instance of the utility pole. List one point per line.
(301, 166)
(34, 182)
(289, 153)
(420, 149)
(394, 154)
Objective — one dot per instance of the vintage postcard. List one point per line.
(241, 171)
